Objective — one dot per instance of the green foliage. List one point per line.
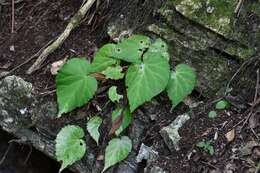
(222, 104)
(112, 94)
(131, 49)
(147, 79)
(74, 85)
(181, 83)
(103, 59)
(206, 145)
(159, 46)
(127, 119)
(147, 73)
(69, 145)
(113, 73)
(92, 127)
(212, 114)
(116, 151)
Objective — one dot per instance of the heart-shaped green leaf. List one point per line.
(159, 46)
(181, 83)
(127, 119)
(114, 73)
(116, 151)
(102, 58)
(69, 145)
(92, 127)
(147, 79)
(74, 86)
(132, 48)
(112, 94)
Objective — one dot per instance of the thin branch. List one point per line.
(238, 7)
(74, 22)
(12, 27)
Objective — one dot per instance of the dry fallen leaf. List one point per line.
(230, 135)
(253, 121)
(57, 65)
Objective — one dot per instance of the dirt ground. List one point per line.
(38, 22)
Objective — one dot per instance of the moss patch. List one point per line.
(214, 14)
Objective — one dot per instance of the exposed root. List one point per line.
(74, 22)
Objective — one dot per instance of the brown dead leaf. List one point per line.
(57, 65)
(116, 124)
(230, 135)
(253, 121)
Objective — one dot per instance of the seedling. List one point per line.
(206, 146)
(222, 104)
(146, 73)
(212, 114)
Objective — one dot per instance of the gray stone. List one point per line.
(156, 169)
(170, 133)
(146, 153)
(16, 101)
(129, 165)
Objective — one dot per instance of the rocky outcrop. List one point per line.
(200, 33)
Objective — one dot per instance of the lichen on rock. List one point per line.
(214, 14)
(170, 133)
(15, 101)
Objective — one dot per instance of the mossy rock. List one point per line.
(214, 14)
(220, 16)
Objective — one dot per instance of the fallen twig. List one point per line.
(25, 62)
(12, 27)
(5, 154)
(238, 7)
(74, 22)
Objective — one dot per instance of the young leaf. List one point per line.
(222, 104)
(159, 46)
(181, 83)
(132, 48)
(70, 147)
(114, 73)
(210, 150)
(126, 121)
(116, 151)
(206, 146)
(102, 58)
(92, 127)
(74, 86)
(212, 114)
(112, 94)
(146, 80)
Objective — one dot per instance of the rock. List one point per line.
(213, 69)
(129, 165)
(218, 16)
(212, 56)
(170, 133)
(146, 153)
(156, 169)
(16, 102)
